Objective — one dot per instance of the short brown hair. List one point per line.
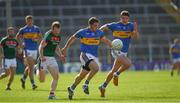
(10, 28)
(176, 40)
(28, 17)
(93, 20)
(124, 13)
(55, 24)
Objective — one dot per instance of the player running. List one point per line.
(29, 36)
(90, 38)
(47, 49)
(174, 51)
(9, 46)
(123, 30)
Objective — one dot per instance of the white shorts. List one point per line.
(85, 59)
(116, 53)
(50, 62)
(7, 63)
(176, 60)
(30, 53)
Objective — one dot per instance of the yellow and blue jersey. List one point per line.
(123, 32)
(89, 40)
(174, 54)
(30, 36)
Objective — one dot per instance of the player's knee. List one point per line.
(31, 67)
(128, 64)
(42, 80)
(7, 73)
(95, 69)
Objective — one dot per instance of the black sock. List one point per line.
(73, 86)
(86, 82)
(104, 85)
(118, 73)
(24, 77)
(32, 82)
(51, 93)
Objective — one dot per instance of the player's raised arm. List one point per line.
(104, 28)
(135, 33)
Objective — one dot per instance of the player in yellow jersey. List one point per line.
(123, 30)
(90, 38)
(29, 37)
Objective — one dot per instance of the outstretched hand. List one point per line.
(135, 26)
(62, 58)
(135, 33)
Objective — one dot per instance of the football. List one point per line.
(117, 44)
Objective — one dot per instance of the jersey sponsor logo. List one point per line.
(55, 40)
(31, 35)
(122, 34)
(90, 41)
(11, 44)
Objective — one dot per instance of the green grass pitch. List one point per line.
(141, 86)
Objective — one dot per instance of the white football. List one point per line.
(117, 44)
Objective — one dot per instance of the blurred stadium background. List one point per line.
(158, 20)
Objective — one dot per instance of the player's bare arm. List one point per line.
(68, 44)
(19, 49)
(135, 33)
(19, 38)
(39, 38)
(60, 54)
(104, 28)
(41, 47)
(106, 41)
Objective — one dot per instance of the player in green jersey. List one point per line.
(49, 46)
(8, 46)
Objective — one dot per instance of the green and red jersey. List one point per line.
(9, 45)
(52, 41)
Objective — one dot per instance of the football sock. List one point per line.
(73, 86)
(104, 85)
(32, 82)
(86, 82)
(24, 77)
